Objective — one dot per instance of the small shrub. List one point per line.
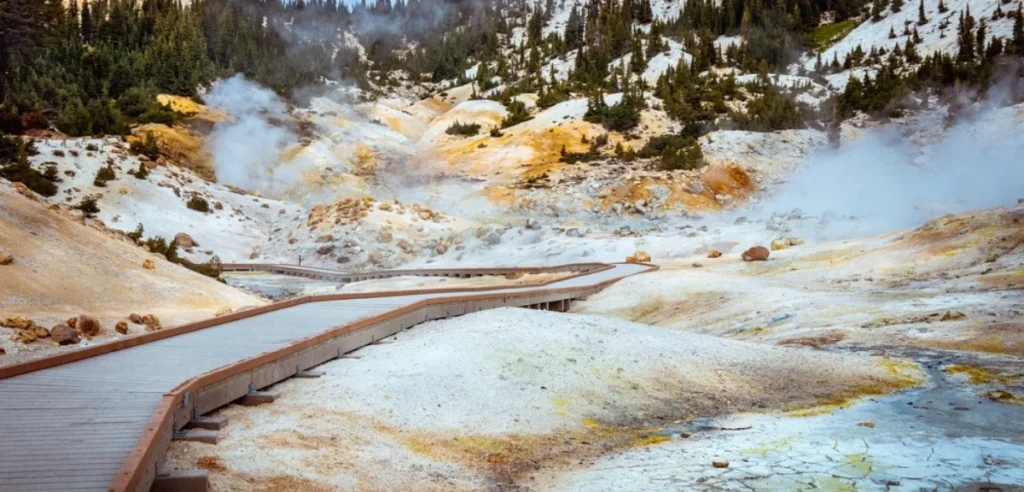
(158, 114)
(517, 114)
(155, 244)
(92, 147)
(146, 145)
(15, 167)
(676, 152)
(88, 206)
(465, 130)
(136, 235)
(58, 153)
(142, 172)
(496, 132)
(573, 157)
(104, 175)
(198, 203)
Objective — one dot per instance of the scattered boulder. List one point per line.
(441, 248)
(325, 249)
(638, 257)
(87, 325)
(135, 318)
(2, 351)
(25, 336)
(149, 264)
(72, 321)
(714, 254)
(785, 242)
(17, 322)
(64, 335)
(405, 245)
(152, 322)
(757, 253)
(492, 238)
(121, 327)
(385, 236)
(185, 241)
(41, 332)
(6, 258)
(326, 238)
(513, 275)
(720, 464)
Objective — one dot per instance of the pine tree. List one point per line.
(897, 5)
(921, 19)
(943, 9)
(574, 29)
(980, 40)
(1017, 42)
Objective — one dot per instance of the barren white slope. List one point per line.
(479, 400)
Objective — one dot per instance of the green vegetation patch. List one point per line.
(828, 34)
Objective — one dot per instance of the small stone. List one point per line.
(639, 257)
(121, 327)
(185, 241)
(87, 325)
(152, 322)
(6, 258)
(714, 254)
(325, 238)
(757, 253)
(26, 336)
(17, 322)
(41, 332)
(720, 464)
(149, 264)
(325, 249)
(64, 335)
(135, 318)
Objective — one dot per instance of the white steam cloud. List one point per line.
(885, 180)
(246, 147)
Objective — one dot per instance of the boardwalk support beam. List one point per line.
(197, 435)
(257, 398)
(181, 481)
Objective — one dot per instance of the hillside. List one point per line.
(62, 268)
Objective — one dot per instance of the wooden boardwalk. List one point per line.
(105, 422)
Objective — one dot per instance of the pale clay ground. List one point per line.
(520, 392)
(488, 399)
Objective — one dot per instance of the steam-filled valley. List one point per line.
(831, 191)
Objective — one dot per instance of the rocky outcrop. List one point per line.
(87, 325)
(185, 241)
(757, 253)
(64, 335)
(6, 258)
(638, 257)
(16, 322)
